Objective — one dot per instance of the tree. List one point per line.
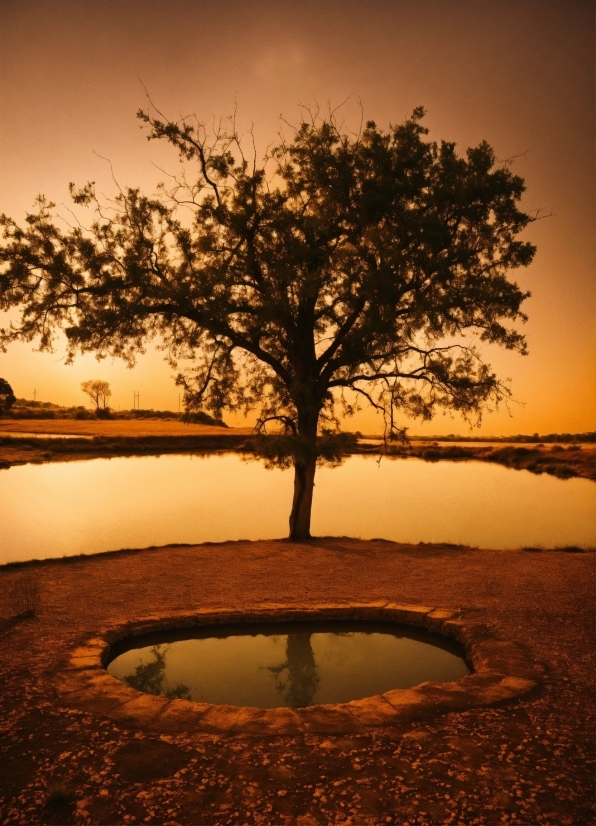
(99, 392)
(343, 269)
(7, 397)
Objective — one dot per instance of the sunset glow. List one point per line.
(518, 75)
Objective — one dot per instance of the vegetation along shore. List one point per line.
(24, 441)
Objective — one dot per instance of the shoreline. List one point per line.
(556, 460)
(421, 546)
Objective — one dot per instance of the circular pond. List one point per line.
(290, 665)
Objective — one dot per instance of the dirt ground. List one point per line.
(528, 762)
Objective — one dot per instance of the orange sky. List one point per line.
(518, 74)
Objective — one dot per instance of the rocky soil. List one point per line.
(527, 762)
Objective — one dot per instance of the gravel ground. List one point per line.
(528, 762)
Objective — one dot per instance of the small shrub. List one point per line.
(25, 596)
(430, 455)
(59, 796)
(200, 417)
(399, 451)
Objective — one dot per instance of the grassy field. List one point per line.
(119, 428)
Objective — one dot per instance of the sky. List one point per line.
(517, 73)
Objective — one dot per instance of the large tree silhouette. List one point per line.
(342, 268)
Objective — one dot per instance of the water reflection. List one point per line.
(150, 676)
(292, 665)
(87, 507)
(297, 679)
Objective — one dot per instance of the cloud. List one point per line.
(285, 63)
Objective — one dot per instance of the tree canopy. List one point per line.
(7, 396)
(342, 269)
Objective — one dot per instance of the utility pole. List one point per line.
(34, 394)
(136, 401)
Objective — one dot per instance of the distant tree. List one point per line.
(344, 269)
(99, 392)
(7, 397)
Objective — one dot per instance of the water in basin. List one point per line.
(291, 665)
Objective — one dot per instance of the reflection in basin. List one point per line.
(292, 665)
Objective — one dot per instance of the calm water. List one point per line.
(83, 507)
(288, 665)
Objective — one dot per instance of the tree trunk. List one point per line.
(304, 482)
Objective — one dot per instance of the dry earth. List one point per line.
(115, 427)
(528, 762)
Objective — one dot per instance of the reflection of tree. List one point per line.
(300, 681)
(150, 677)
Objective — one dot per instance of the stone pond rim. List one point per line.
(502, 673)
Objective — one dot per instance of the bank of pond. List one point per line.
(563, 461)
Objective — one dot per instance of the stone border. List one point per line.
(502, 673)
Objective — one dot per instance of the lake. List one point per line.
(66, 508)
